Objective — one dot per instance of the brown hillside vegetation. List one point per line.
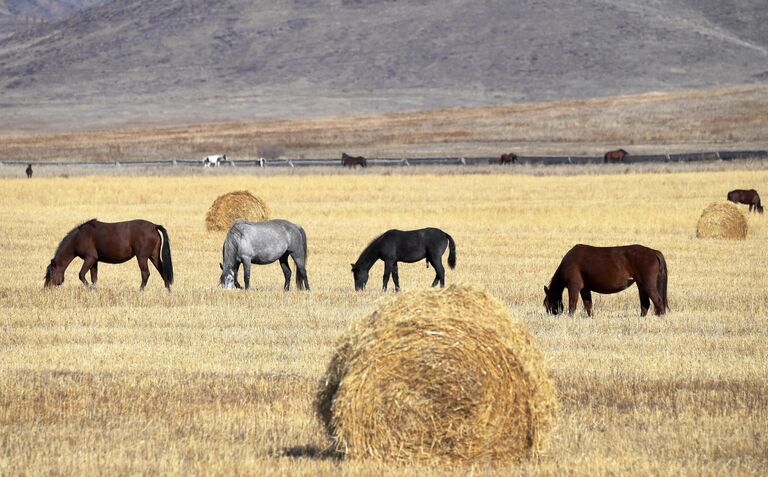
(717, 118)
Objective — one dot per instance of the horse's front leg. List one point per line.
(387, 272)
(94, 273)
(573, 299)
(88, 263)
(247, 273)
(395, 277)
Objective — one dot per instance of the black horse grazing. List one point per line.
(29, 171)
(615, 156)
(352, 161)
(95, 242)
(585, 269)
(405, 246)
(510, 158)
(749, 197)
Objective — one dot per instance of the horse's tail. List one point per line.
(166, 265)
(451, 252)
(299, 276)
(661, 280)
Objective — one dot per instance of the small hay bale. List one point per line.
(442, 376)
(228, 208)
(722, 220)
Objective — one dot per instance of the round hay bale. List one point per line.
(442, 376)
(228, 208)
(722, 220)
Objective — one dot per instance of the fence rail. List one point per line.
(415, 161)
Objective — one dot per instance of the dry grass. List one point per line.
(715, 118)
(202, 381)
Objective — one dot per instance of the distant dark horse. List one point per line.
(510, 158)
(352, 161)
(615, 156)
(262, 243)
(749, 197)
(585, 269)
(405, 246)
(95, 242)
(29, 171)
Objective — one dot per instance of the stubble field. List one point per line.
(203, 381)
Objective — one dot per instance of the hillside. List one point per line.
(20, 15)
(169, 60)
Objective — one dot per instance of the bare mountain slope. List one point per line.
(19, 15)
(235, 58)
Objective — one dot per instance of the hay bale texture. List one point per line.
(722, 220)
(442, 376)
(228, 208)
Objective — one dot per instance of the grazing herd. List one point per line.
(583, 270)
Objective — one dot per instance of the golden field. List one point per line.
(112, 381)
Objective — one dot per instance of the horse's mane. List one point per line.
(70, 234)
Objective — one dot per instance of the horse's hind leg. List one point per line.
(302, 282)
(286, 272)
(88, 263)
(144, 271)
(156, 262)
(651, 293)
(645, 301)
(439, 273)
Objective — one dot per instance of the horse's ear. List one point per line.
(353, 266)
(546, 290)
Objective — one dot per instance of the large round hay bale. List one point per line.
(228, 208)
(722, 220)
(439, 375)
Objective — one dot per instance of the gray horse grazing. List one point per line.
(262, 243)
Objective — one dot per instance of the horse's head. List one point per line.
(227, 279)
(760, 208)
(361, 277)
(553, 304)
(53, 276)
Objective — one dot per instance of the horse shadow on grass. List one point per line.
(309, 452)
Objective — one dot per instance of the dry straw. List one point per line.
(722, 220)
(228, 208)
(443, 376)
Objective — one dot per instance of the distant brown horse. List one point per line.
(615, 156)
(585, 269)
(749, 197)
(510, 158)
(352, 161)
(29, 171)
(95, 242)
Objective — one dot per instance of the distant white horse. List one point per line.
(214, 160)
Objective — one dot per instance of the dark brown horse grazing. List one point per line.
(95, 242)
(749, 197)
(352, 161)
(510, 158)
(29, 171)
(585, 269)
(614, 156)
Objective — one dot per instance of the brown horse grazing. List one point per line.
(510, 158)
(614, 156)
(95, 242)
(352, 161)
(749, 197)
(585, 269)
